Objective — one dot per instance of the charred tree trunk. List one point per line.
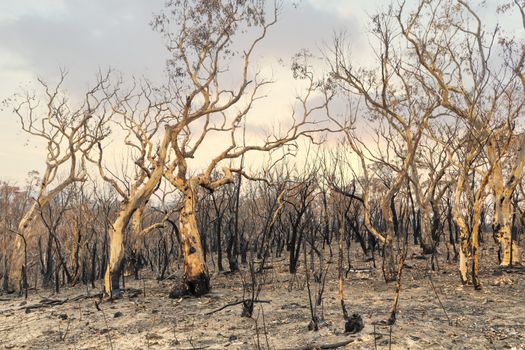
(231, 248)
(47, 272)
(76, 256)
(218, 227)
(295, 244)
(104, 256)
(196, 273)
(94, 265)
(452, 229)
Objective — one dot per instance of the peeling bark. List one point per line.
(134, 201)
(116, 253)
(462, 228)
(196, 273)
(502, 202)
(24, 239)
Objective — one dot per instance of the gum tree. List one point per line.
(140, 115)
(70, 131)
(455, 50)
(203, 38)
(399, 106)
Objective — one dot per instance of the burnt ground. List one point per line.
(492, 318)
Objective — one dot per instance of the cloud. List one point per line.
(342, 8)
(37, 37)
(82, 36)
(12, 10)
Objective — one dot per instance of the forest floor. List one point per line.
(491, 318)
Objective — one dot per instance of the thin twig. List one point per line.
(439, 299)
(97, 305)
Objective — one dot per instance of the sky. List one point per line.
(39, 37)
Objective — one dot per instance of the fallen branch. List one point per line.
(236, 303)
(360, 270)
(173, 276)
(83, 296)
(322, 346)
(514, 269)
(44, 303)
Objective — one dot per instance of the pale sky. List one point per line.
(37, 37)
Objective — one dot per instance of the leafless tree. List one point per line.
(202, 52)
(456, 52)
(401, 107)
(142, 115)
(70, 131)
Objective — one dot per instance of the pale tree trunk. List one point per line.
(502, 229)
(140, 193)
(389, 265)
(464, 252)
(136, 229)
(478, 202)
(462, 227)
(426, 231)
(23, 241)
(133, 261)
(195, 270)
(26, 236)
(116, 252)
(130, 211)
(412, 142)
(502, 206)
